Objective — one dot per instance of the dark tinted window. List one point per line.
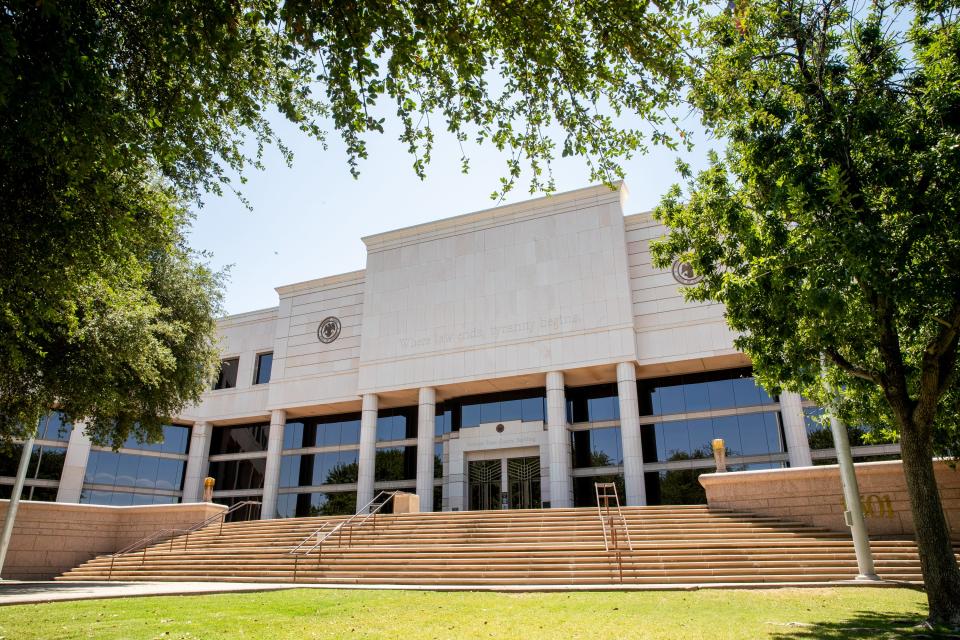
(301, 505)
(597, 448)
(322, 431)
(528, 405)
(46, 463)
(675, 487)
(397, 424)
(396, 463)
(585, 493)
(330, 467)
(593, 404)
(443, 422)
(230, 475)
(228, 374)
(264, 366)
(743, 435)
(239, 439)
(701, 392)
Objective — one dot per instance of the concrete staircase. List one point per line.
(533, 548)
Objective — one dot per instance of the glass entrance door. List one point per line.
(523, 475)
(484, 478)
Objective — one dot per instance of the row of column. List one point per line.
(558, 439)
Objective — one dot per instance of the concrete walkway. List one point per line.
(21, 592)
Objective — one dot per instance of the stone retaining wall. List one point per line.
(814, 495)
(51, 537)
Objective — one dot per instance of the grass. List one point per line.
(314, 613)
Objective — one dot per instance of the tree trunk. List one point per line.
(941, 575)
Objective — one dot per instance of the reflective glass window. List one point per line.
(593, 404)
(597, 448)
(397, 424)
(696, 397)
(728, 428)
(302, 505)
(438, 460)
(721, 394)
(489, 412)
(239, 439)
(585, 492)
(533, 409)
(470, 415)
(679, 486)
(227, 379)
(707, 391)
(526, 405)
(396, 463)
(293, 435)
(701, 438)
(264, 367)
(511, 410)
(443, 420)
(147, 472)
(53, 427)
(175, 439)
(676, 440)
(230, 475)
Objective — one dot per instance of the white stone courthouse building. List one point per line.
(508, 358)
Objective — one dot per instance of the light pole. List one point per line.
(851, 491)
(15, 500)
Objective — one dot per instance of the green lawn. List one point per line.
(312, 613)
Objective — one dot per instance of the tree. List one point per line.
(115, 115)
(830, 225)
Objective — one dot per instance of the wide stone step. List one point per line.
(671, 545)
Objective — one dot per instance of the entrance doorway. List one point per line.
(484, 477)
(523, 477)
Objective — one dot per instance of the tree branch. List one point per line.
(852, 369)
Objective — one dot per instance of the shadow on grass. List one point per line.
(862, 624)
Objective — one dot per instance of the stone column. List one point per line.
(425, 434)
(630, 434)
(561, 485)
(368, 450)
(74, 465)
(197, 456)
(795, 430)
(271, 474)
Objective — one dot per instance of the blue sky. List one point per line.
(307, 220)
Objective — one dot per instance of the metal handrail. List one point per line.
(608, 518)
(163, 534)
(345, 524)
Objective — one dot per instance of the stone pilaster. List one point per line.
(74, 465)
(271, 474)
(368, 449)
(558, 436)
(795, 430)
(630, 434)
(197, 456)
(426, 415)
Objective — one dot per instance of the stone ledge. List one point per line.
(52, 537)
(813, 495)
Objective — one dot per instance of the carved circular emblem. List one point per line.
(499, 428)
(329, 330)
(683, 273)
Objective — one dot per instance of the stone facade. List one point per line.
(813, 495)
(553, 295)
(52, 537)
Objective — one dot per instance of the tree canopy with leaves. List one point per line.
(830, 224)
(116, 116)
